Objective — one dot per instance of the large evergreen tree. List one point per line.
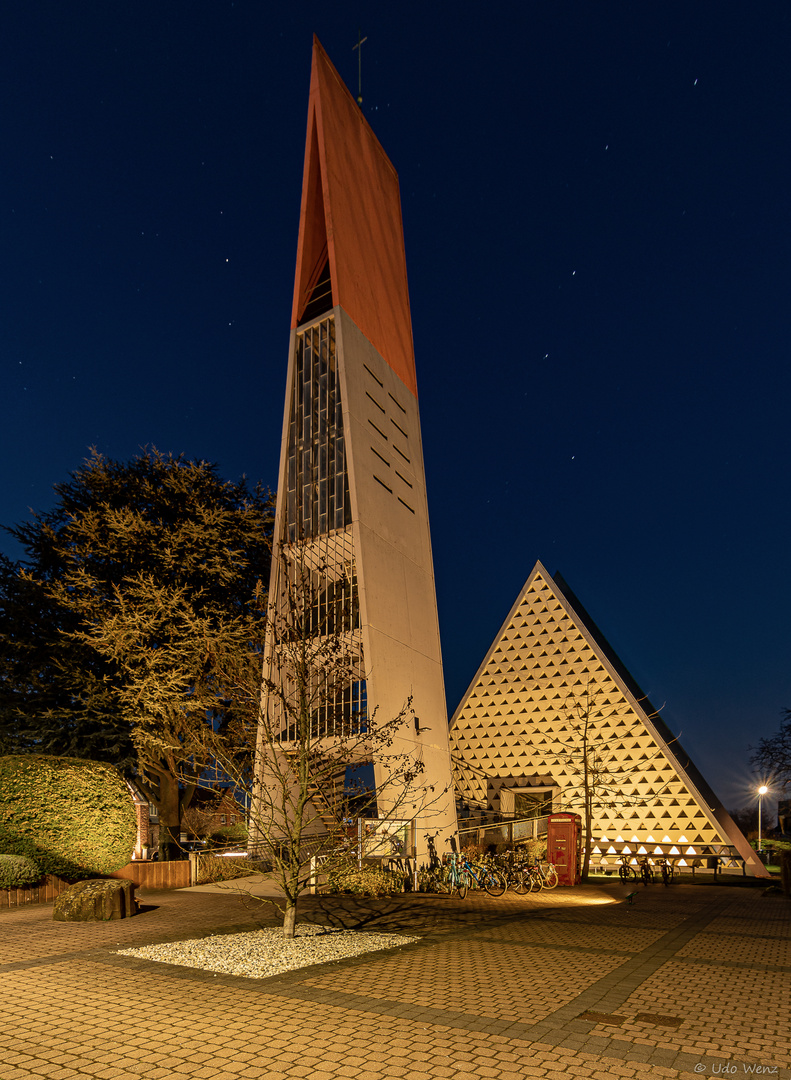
(108, 624)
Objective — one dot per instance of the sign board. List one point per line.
(384, 839)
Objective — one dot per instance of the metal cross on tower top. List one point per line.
(359, 48)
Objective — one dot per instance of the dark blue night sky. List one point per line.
(596, 213)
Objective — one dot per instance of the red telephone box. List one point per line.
(564, 846)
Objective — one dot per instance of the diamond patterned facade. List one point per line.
(516, 738)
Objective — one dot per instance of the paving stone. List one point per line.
(493, 986)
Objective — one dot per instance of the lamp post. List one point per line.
(762, 790)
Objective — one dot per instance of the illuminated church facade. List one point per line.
(549, 694)
(352, 510)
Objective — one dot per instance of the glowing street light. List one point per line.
(762, 790)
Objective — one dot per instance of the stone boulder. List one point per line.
(98, 900)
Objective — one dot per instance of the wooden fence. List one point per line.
(145, 875)
(148, 874)
(44, 893)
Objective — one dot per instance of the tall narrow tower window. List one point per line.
(318, 486)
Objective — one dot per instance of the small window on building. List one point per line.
(222, 819)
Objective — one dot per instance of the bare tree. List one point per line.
(314, 735)
(772, 756)
(588, 752)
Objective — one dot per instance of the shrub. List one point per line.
(534, 849)
(365, 881)
(213, 868)
(229, 834)
(427, 882)
(16, 871)
(74, 818)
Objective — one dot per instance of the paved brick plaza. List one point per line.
(689, 981)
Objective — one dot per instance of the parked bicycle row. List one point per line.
(645, 869)
(459, 873)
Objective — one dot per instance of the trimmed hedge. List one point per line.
(213, 868)
(71, 817)
(17, 871)
(363, 881)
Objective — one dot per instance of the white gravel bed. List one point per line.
(262, 953)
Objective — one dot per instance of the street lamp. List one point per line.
(762, 790)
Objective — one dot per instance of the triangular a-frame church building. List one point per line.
(516, 741)
(351, 500)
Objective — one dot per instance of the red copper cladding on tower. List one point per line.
(351, 214)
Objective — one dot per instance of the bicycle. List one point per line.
(668, 868)
(457, 877)
(646, 873)
(626, 871)
(544, 879)
(444, 875)
(485, 877)
(524, 881)
(516, 874)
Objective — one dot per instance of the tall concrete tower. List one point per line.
(351, 501)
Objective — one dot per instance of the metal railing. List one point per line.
(514, 831)
(605, 853)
